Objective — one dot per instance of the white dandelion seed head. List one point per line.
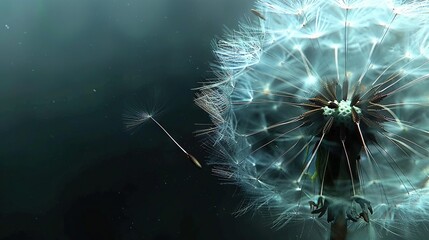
(320, 81)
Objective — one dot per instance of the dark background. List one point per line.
(68, 170)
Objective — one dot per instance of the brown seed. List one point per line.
(194, 161)
(258, 14)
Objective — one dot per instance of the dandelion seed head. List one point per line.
(327, 103)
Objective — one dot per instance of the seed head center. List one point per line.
(343, 113)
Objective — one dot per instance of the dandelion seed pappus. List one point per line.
(320, 113)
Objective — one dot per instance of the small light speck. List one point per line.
(7, 26)
(94, 90)
(53, 101)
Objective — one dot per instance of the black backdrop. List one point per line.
(68, 170)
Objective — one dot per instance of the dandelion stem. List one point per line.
(339, 226)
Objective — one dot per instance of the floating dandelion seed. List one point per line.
(134, 118)
(321, 113)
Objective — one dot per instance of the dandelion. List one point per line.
(320, 113)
